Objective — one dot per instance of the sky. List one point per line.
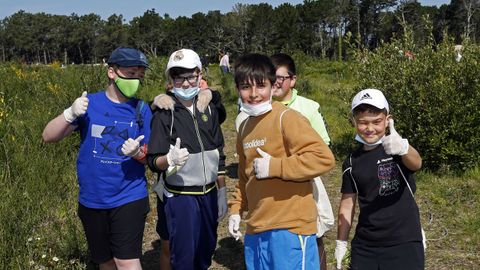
(130, 9)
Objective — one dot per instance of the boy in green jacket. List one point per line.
(285, 92)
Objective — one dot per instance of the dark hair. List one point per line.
(254, 67)
(368, 108)
(284, 60)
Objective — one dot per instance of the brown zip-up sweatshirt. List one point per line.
(298, 154)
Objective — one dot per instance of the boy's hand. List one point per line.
(177, 156)
(261, 165)
(204, 98)
(164, 102)
(78, 108)
(222, 203)
(131, 147)
(394, 144)
(340, 250)
(234, 226)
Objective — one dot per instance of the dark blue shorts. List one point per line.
(189, 222)
(116, 232)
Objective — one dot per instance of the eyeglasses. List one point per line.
(192, 80)
(281, 79)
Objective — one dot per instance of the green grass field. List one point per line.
(39, 228)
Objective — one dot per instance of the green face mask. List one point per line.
(127, 86)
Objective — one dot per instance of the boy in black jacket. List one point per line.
(184, 148)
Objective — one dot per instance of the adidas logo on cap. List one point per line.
(366, 96)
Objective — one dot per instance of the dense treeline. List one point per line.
(317, 28)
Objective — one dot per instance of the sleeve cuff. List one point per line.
(275, 167)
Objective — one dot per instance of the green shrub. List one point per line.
(229, 90)
(434, 99)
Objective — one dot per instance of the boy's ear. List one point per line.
(387, 119)
(351, 119)
(293, 81)
(111, 73)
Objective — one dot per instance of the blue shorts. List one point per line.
(189, 222)
(281, 249)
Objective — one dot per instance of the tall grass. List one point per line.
(38, 181)
(39, 226)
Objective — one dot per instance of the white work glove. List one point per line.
(177, 156)
(78, 108)
(394, 144)
(163, 101)
(234, 226)
(131, 147)
(222, 203)
(261, 165)
(204, 98)
(340, 250)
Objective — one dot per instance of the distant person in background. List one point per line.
(225, 63)
(114, 127)
(205, 62)
(284, 91)
(458, 52)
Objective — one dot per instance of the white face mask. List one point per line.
(257, 109)
(360, 140)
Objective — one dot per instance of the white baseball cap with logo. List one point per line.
(184, 58)
(372, 97)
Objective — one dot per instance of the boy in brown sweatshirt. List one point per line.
(279, 155)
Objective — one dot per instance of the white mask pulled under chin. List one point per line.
(360, 140)
(257, 109)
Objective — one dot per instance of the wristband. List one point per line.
(141, 154)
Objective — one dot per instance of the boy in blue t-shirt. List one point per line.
(114, 128)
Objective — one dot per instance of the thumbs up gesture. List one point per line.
(261, 165)
(78, 108)
(177, 156)
(131, 147)
(394, 144)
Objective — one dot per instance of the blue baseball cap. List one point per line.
(128, 57)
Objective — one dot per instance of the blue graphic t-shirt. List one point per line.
(106, 177)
